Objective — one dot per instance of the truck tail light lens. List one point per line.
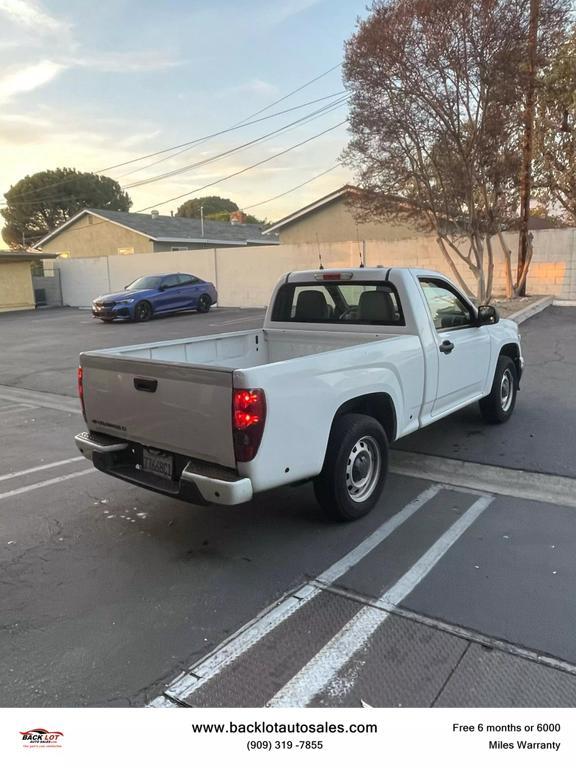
(80, 381)
(248, 419)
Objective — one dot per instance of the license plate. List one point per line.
(157, 463)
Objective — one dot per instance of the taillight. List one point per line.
(248, 419)
(81, 389)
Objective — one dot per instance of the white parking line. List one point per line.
(53, 481)
(353, 637)
(40, 468)
(11, 408)
(236, 322)
(187, 682)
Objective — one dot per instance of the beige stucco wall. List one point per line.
(91, 236)
(16, 286)
(335, 222)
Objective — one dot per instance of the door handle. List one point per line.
(446, 347)
(146, 385)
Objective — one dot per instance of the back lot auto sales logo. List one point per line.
(40, 737)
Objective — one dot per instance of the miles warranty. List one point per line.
(545, 746)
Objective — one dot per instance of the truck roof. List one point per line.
(355, 273)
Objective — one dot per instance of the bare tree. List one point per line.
(436, 90)
(555, 167)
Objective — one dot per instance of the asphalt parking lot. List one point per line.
(449, 594)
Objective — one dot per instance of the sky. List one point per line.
(91, 85)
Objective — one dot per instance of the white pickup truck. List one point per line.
(346, 363)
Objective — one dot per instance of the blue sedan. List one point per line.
(155, 295)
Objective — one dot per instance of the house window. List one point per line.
(125, 251)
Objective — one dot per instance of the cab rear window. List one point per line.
(338, 303)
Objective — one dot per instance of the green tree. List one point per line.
(215, 208)
(39, 203)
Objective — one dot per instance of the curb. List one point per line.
(534, 309)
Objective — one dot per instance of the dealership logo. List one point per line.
(40, 737)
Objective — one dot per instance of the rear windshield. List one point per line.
(339, 303)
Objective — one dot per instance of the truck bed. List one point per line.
(176, 396)
(243, 349)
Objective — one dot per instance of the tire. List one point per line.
(498, 406)
(357, 444)
(106, 320)
(204, 303)
(142, 312)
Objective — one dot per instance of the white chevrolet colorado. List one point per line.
(346, 363)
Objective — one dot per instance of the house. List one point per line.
(331, 219)
(16, 288)
(94, 232)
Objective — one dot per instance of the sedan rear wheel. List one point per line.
(204, 303)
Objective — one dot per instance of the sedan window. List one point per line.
(171, 281)
(188, 279)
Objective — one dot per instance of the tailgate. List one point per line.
(170, 406)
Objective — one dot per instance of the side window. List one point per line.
(188, 279)
(447, 308)
(171, 281)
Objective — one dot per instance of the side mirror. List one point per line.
(488, 315)
(161, 287)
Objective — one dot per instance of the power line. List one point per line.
(248, 168)
(326, 109)
(241, 124)
(229, 176)
(292, 189)
(307, 118)
(203, 140)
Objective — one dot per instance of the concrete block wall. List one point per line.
(245, 277)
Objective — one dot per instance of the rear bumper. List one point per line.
(115, 457)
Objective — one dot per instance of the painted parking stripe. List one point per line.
(37, 399)
(13, 407)
(186, 683)
(40, 468)
(236, 322)
(45, 483)
(519, 483)
(328, 663)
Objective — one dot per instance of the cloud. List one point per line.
(256, 86)
(281, 11)
(130, 61)
(27, 78)
(30, 15)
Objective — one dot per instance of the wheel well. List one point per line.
(513, 352)
(377, 405)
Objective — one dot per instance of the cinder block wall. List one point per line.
(245, 277)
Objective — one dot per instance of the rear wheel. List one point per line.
(106, 320)
(204, 303)
(497, 407)
(142, 312)
(355, 468)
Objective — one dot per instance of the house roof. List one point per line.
(174, 229)
(12, 256)
(344, 191)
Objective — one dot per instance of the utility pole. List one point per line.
(527, 150)
(202, 219)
